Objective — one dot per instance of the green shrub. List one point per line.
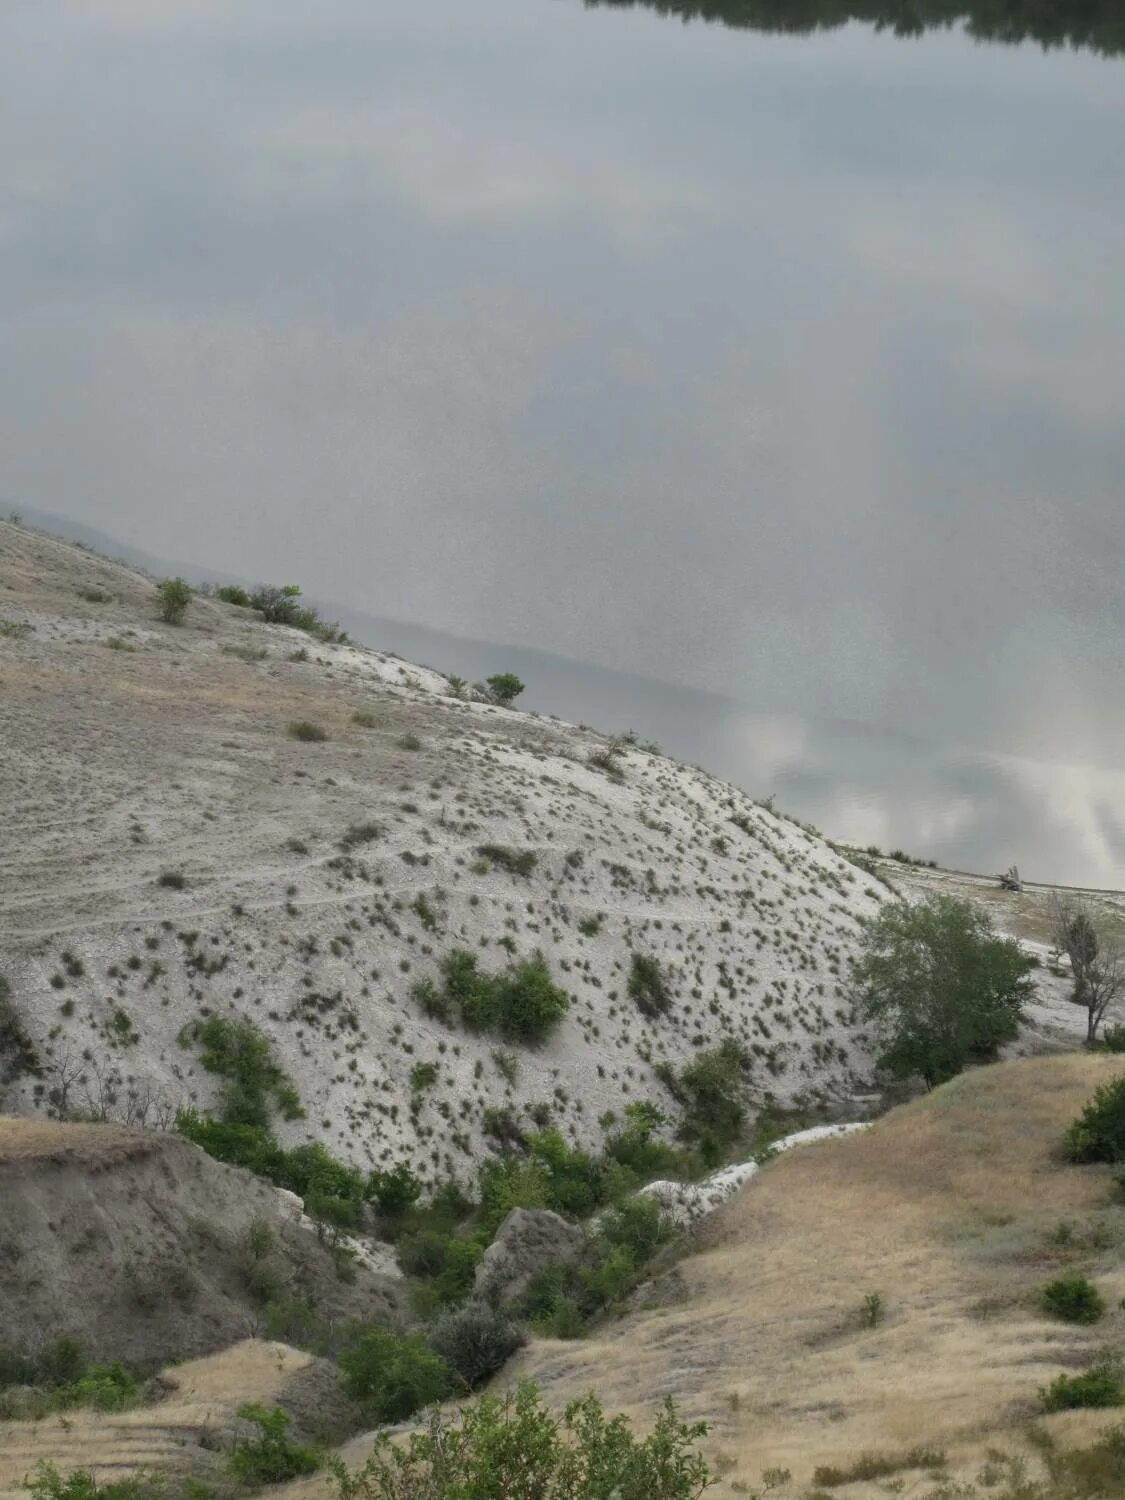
(1098, 1134)
(172, 880)
(18, 1054)
(270, 1457)
(1073, 1298)
(302, 729)
(1099, 1386)
(1113, 1038)
(232, 593)
(710, 1089)
(392, 1375)
(173, 596)
(515, 861)
(394, 1190)
(103, 1387)
(505, 687)
(522, 1003)
(475, 1341)
(239, 1053)
(283, 606)
(49, 1484)
(514, 1446)
(648, 987)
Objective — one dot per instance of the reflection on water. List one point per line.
(1098, 24)
(788, 369)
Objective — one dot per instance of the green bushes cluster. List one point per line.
(561, 1300)
(332, 1191)
(61, 1378)
(283, 606)
(496, 1447)
(253, 1083)
(520, 1003)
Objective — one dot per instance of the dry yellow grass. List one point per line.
(180, 1434)
(949, 1210)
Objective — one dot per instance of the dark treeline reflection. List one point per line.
(1097, 24)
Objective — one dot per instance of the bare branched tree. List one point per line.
(1097, 960)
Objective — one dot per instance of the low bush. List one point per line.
(521, 1003)
(648, 987)
(1099, 1386)
(80, 1484)
(1098, 1134)
(392, 1375)
(18, 1053)
(173, 596)
(515, 861)
(271, 1457)
(172, 880)
(308, 733)
(233, 593)
(475, 1341)
(1072, 1298)
(238, 1053)
(1113, 1039)
(711, 1092)
(872, 1466)
(515, 1446)
(283, 606)
(395, 1189)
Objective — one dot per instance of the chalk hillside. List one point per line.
(172, 852)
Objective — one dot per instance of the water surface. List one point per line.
(775, 355)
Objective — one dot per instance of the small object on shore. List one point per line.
(1011, 879)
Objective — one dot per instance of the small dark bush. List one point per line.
(1098, 1134)
(475, 1341)
(648, 987)
(1073, 1298)
(515, 861)
(174, 880)
(1113, 1038)
(302, 729)
(231, 593)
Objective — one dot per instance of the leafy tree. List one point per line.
(515, 1449)
(940, 987)
(505, 687)
(475, 1341)
(174, 596)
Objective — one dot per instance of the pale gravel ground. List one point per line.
(119, 765)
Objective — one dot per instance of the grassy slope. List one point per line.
(948, 1208)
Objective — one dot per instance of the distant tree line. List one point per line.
(1095, 24)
